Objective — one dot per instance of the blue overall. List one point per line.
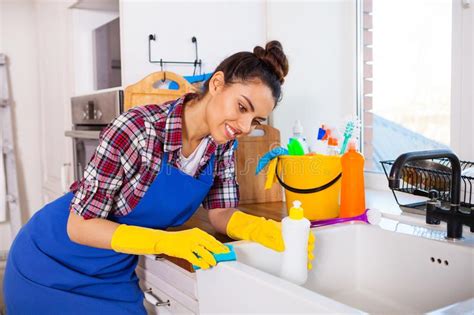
(47, 273)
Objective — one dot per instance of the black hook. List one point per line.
(194, 40)
(164, 72)
(150, 38)
(194, 70)
(196, 61)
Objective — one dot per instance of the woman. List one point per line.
(154, 166)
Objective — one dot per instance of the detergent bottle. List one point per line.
(295, 231)
(352, 183)
(298, 135)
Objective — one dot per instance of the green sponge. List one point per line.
(230, 256)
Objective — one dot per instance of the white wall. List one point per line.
(319, 39)
(19, 42)
(221, 28)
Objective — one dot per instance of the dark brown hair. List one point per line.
(269, 65)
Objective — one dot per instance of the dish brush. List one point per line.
(371, 216)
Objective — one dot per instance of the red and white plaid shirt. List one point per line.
(129, 157)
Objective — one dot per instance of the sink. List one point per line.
(357, 267)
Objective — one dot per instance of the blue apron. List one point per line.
(47, 273)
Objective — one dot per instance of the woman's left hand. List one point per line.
(266, 232)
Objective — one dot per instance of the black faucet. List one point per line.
(454, 218)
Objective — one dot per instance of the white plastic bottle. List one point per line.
(298, 135)
(295, 230)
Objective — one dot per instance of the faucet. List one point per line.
(454, 218)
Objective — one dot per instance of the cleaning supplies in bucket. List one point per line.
(315, 177)
(295, 231)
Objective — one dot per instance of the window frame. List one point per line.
(462, 84)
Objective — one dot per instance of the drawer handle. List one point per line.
(159, 257)
(155, 300)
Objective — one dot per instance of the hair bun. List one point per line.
(274, 57)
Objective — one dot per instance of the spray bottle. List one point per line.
(295, 230)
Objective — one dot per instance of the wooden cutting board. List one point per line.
(144, 91)
(249, 152)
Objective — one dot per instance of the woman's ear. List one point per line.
(217, 82)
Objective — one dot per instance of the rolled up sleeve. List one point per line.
(116, 157)
(224, 192)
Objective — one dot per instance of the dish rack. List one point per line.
(419, 180)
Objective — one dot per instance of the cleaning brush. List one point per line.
(371, 216)
(351, 131)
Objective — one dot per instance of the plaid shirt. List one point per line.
(129, 157)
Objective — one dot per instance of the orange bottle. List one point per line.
(352, 184)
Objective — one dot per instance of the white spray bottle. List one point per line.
(295, 231)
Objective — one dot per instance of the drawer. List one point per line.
(178, 299)
(174, 275)
(169, 305)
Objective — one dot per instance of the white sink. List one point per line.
(357, 267)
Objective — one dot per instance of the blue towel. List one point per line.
(264, 160)
(191, 79)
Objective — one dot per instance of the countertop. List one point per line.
(200, 219)
(378, 199)
(271, 210)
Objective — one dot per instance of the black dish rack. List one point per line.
(435, 174)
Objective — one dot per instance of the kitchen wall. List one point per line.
(18, 40)
(221, 28)
(317, 36)
(319, 39)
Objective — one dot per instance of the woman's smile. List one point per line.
(230, 132)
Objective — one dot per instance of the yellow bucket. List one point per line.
(315, 180)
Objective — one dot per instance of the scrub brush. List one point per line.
(349, 132)
(371, 216)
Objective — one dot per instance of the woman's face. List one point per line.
(234, 110)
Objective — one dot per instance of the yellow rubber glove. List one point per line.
(185, 244)
(242, 226)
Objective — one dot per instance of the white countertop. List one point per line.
(394, 219)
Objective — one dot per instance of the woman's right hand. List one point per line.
(193, 245)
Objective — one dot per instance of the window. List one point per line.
(406, 47)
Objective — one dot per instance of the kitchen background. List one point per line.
(331, 46)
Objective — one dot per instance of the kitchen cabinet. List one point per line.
(173, 280)
(162, 279)
(65, 57)
(56, 86)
